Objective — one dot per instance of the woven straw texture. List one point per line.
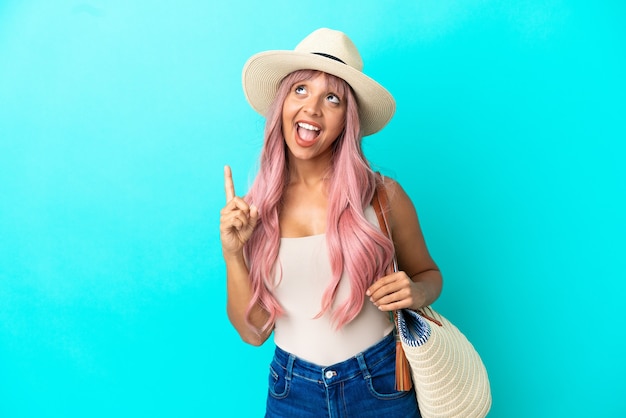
(449, 376)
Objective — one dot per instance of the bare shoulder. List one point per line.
(401, 206)
(411, 251)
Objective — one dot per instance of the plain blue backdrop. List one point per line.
(116, 118)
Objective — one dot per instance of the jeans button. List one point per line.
(330, 373)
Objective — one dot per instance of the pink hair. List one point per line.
(354, 244)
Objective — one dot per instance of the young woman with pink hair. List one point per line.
(305, 257)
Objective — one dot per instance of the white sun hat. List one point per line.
(324, 50)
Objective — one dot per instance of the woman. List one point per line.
(305, 257)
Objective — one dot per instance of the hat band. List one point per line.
(332, 57)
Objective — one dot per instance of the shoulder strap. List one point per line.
(380, 202)
(381, 206)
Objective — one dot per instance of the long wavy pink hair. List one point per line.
(354, 244)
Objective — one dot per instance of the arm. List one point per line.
(418, 282)
(237, 222)
(239, 295)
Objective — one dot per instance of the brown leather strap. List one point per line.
(380, 194)
(381, 205)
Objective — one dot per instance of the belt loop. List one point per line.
(363, 366)
(289, 367)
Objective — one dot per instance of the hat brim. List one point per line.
(264, 71)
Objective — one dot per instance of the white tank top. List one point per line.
(306, 273)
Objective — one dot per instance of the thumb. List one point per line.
(254, 216)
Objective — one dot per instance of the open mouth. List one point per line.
(307, 132)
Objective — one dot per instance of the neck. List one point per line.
(310, 172)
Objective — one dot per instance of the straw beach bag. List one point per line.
(449, 376)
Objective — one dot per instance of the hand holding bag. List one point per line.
(449, 376)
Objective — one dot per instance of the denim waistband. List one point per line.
(339, 372)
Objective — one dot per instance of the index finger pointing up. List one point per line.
(229, 186)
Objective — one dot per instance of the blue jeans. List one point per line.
(362, 386)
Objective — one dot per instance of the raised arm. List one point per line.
(237, 222)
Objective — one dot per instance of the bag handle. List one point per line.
(380, 202)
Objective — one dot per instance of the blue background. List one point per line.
(116, 118)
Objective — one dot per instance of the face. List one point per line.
(313, 118)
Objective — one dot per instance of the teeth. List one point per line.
(307, 126)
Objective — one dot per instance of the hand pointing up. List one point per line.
(237, 220)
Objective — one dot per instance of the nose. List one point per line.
(312, 106)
